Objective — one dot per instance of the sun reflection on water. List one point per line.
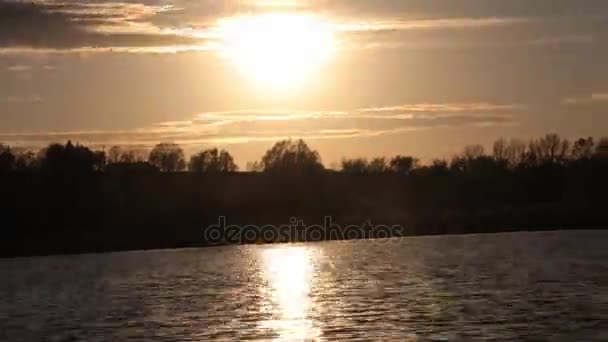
(290, 275)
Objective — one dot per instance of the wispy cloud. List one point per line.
(19, 68)
(593, 98)
(21, 99)
(428, 24)
(172, 49)
(446, 107)
(242, 126)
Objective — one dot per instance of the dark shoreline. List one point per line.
(187, 247)
(69, 209)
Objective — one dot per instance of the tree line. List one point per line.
(79, 159)
(68, 198)
(296, 157)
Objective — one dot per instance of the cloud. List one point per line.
(445, 42)
(27, 69)
(593, 98)
(83, 26)
(55, 26)
(446, 107)
(171, 49)
(232, 127)
(19, 68)
(428, 24)
(469, 33)
(458, 8)
(21, 99)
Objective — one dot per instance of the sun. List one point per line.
(277, 50)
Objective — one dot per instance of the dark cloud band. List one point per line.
(46, 25)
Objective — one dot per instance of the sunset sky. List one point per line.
(354, 78)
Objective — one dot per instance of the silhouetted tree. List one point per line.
(439, 164)
(118, 154)
(516, 153)
(25, 160)
(133, 156)
(459, 164)
(398, 164)
(601, 151)
(100, 160)
(378, 165)
(7, 159)
(292, 157)
(254, 166)
(114, 154)
(72, 159)
(437, 168)
(500, 149)
(168, 157)
(473, 152)
(403, 165)
(137, 168)
(464, 161)
(549, 149)
(212, 161)
(583, 148)
(509, 152)
(355, 166)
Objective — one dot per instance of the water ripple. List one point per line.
(523, 286)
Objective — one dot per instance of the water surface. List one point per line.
(521, 286)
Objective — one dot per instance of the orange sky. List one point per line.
(354, 78)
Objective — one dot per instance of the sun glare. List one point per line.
(277, 50)
(290, 275)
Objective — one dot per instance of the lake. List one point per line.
(519, 286)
